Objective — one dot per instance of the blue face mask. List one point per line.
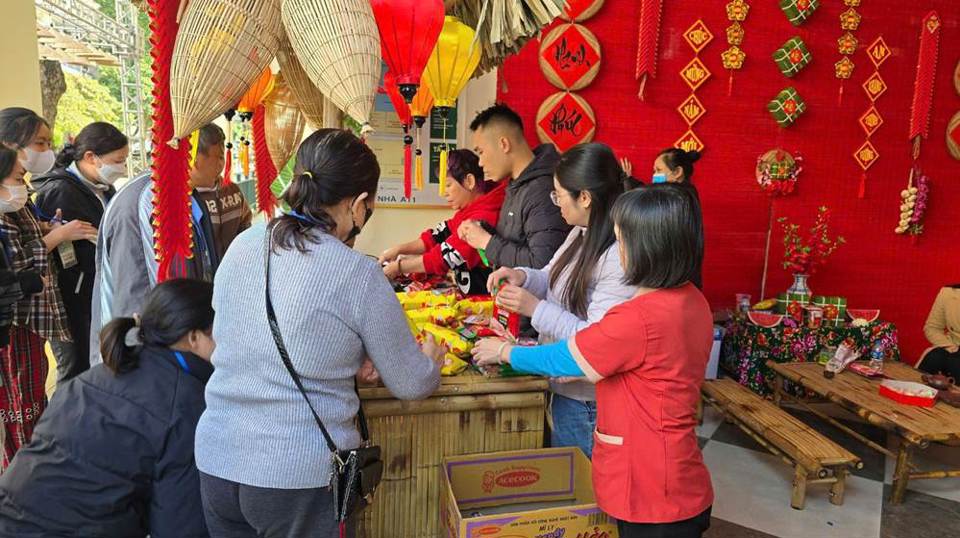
(660, 178)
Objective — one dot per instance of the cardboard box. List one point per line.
(544, 493)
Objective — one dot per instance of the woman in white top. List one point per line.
(582, 281)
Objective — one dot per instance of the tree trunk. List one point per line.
(52, 85)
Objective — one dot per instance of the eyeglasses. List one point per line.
(555, 197)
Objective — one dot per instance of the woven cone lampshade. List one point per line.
(283, 122)
(338, 44)
(320, 112)
(222, 47)
(254, 96)
(408, 32)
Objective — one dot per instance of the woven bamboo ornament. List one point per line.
(504, 26)
(581, 10)
(565, 120)
(408, 33)
(319, 111)
(866, 155)
(956, 78)
(338, 45)
(570, 56)
(284, 123)
(420, 109)
(648, 39)
(733, 57)
(451, 65)
(172, 225)
(222, 46)
(953, 136)
(695, 74)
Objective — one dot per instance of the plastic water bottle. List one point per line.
(876, 357)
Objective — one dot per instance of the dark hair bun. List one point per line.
(692, 156)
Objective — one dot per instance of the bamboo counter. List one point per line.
(468, 414)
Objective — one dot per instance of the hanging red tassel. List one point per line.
(926, 75)
(647, 42)
(863, 186)
(227, 166)
(172, 212)
(840, 95)
(407, 176)
(266, 171)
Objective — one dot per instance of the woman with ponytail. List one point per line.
(263, 460)
(112, 456)
(80, 186)
(582, 281)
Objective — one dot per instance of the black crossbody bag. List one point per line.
(355, 473)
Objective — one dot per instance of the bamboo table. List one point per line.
(916, 426)
(468, 414)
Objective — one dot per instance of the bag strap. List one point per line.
(282, 349)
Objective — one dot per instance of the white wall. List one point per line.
(390, 226)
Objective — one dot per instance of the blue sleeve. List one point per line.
(552, 360)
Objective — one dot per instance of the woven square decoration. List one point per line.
(695, 74)
(691, 110)
(786, 107)
(798, 11)
(866, 155)
(792, 57)
(698, 36)
(689, 142)
(871, 121)
(878, 51)
(875, 86)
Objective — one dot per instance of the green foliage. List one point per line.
(85, 101)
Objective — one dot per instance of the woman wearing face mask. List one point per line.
(582, 281)
(265, 466)
(21, 129)
(113, 456)
(80, 186)
(441, 250)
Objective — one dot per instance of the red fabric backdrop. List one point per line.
(876, 269)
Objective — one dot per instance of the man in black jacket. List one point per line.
(530, 228)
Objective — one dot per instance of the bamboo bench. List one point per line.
(816, 459)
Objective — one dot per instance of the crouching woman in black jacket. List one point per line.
(112, 455)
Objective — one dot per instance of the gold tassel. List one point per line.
(442, 171)
(418, 173)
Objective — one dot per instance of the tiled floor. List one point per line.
(752, 489)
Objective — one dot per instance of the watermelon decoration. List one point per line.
(764, 319)
(868, 314)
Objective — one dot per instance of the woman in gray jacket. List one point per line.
(265, 468)
(582, 281)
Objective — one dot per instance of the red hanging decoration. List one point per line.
(651, 12)
(408, 32)
(266, 171)
(406, 119)
(923, 83)
(227, 166)
(173, 233)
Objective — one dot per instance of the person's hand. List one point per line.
(514, 277)
(627, 166)
(491, 352)
(566, 379)
(952, 349)
(473, 233)
(431, 349)
(392, 270)
(77, 230)
(368, 374)
(389, 255)
(517, 299)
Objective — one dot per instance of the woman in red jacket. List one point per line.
(647, 357)
(440, 250)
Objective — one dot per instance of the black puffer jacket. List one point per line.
(112, 456)
(530, 229)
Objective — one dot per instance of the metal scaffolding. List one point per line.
(120, 37)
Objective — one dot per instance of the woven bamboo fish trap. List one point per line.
(320, 112)
(222, 47)
(503, 26)
(338, 44)
(283, 123)
(468, 414)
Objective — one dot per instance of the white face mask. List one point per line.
(18, 199)
(110, 173)
(38, 162)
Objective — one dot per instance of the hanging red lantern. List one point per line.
(408, 32)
